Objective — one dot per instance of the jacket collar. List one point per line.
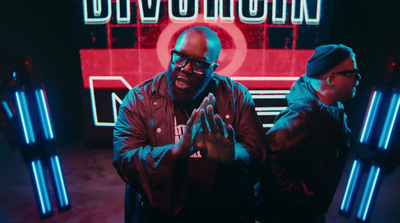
(159, 85)
(303, 92)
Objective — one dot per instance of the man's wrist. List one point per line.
(175, 152)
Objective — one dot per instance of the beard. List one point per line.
(197, 85)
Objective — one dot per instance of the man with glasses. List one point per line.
(188, 142)
(309, 140)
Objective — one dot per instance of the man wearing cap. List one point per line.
(309, 140)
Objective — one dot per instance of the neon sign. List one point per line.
(265, 47)
(249, 11)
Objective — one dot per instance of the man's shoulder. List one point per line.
(308, 112)
(145, 89)
(149, 85)
(226, 81)
(150, 82)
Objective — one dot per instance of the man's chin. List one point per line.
(182, 95)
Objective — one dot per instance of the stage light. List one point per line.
(59, 185)
(375, 171)
(370, 118)
(25, 116)
(37, 131)
(390, 120)
(351, 187)
(41, 188)
(378, 107)
(44, 113)
(7, 109)
(368, 195)
(365, 137)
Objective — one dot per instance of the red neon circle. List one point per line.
(239, 50)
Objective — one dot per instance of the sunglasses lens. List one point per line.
(199, 66)
(178, 59)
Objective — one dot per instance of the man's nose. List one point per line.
(357, 79)
(358, 76)
(187, 68)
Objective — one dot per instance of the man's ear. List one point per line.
(331, 80)
(215, 66)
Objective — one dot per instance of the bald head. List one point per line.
(203, 37)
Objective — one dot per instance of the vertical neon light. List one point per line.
(369, 191)
(44, 113)
(390, 120)
(59, 182)
(7, 109)
(383, 144)
(25, 117)
(370, 119)
(351, 187)
(41, 189)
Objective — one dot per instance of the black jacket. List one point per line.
(144, 136)
(309, 147)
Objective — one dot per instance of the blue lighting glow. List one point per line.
(41, 187)
(59, 181)
(44, 114)
(370, 119)
(7, 109)
(390, 120)
(368, 193)
(25, 117)
(350, 187)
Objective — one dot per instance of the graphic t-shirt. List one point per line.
(201, 173)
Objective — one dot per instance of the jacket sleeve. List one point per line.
(145, 167)
(250, 135)
(286, 139)
(235, 182)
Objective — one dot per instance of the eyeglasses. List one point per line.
(198, 65)
(354, 72)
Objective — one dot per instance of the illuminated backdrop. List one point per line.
(265, 46)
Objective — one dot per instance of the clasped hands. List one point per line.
(206, 132)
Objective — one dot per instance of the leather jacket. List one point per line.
(144, 136)
(308, 151)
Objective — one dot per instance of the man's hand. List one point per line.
(187, 145)
(218, 140)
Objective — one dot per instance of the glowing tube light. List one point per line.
(41, 189)
(368, 195)
(61, 191)
(25, 117)
(7, 109)
(370, 118)
(390, 120)
(44, 114)
(349, 193)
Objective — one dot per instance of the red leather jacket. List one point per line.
(144, 136)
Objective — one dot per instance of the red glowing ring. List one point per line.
(238, 39)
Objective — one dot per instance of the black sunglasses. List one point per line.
(198, 65)
(348, 72)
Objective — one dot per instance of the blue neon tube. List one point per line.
(368, 195)
(389, 122)
(41, 188)
(25, 117)
(44, 114)
(349, 193)
(7, 109)
(370, 119)
(59, 182)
